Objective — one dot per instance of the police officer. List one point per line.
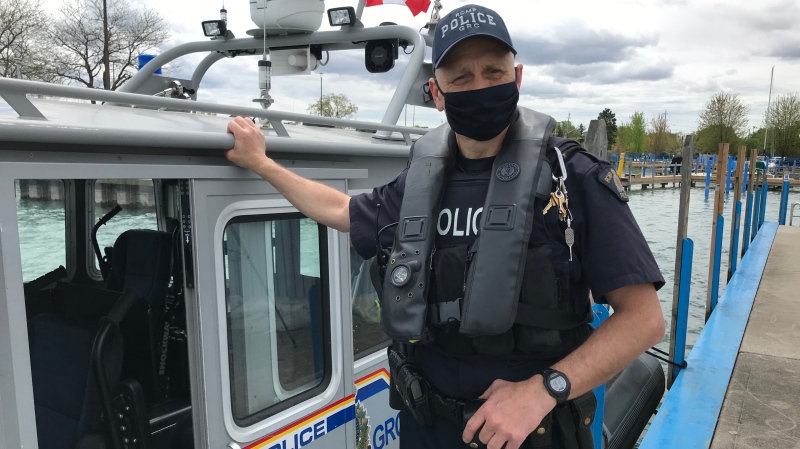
(524, 370)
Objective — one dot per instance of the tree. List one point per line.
(724, 118)
(611, 125)
(622, 142)
(23, 29)
(638, 133)
(783, 122)
(755, 140)
(660, 139)
(333, 105)
(567, 129)
(581, 130)
(81, 39)
(707, 140)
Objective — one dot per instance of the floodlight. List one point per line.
(214, 28)
(342, 16)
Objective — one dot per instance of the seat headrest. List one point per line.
(142, 259)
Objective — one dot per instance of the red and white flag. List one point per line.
(416, 6)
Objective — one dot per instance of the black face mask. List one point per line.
(481, 114)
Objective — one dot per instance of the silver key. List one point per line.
(569, 237)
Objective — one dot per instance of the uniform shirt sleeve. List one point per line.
(363, 214)
(615, 253)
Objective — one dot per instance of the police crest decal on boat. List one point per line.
(507, 171)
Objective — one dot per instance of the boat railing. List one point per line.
(16, 92)
(791, 214)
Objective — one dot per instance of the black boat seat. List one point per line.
(142, 259)
(76, 364)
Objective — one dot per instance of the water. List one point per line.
(656, 211)
(41, 227)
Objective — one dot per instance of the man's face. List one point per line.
(475, 63)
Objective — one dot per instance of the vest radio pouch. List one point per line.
(404, 308)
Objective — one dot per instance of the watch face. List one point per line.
(557, 383)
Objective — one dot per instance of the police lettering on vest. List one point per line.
(467, 19)
(457, 223)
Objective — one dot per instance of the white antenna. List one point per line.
(265, 70)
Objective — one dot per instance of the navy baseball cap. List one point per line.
(465, 22)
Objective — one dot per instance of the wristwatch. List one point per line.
(557, 385)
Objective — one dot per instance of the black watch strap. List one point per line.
(557, 384)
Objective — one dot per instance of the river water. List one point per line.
(41, 227)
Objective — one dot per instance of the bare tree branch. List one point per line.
(80, 36)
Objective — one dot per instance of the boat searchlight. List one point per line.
(345, 16)
(215, 28)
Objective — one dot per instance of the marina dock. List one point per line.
(762, 406)
(697, 179)
(741, 386)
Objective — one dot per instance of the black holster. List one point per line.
(408, 387)
(575, 420)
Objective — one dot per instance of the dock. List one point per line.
(741, 386)
(761, 408)
(697, 179)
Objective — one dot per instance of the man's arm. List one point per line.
(319, 202)
(513, 410)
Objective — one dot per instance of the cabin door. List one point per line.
(272, 338)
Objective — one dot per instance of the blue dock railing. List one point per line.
(688, 415)
(717, 262)
(682, 321)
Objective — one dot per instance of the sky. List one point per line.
(579, 57)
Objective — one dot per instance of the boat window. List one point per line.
(138, 202)
(42, 226)
(367, 333)
(276, 297)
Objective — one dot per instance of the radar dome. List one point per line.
(283, 16)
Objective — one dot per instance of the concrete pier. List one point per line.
(761, 408)
(107, 192)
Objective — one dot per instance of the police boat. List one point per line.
(219, 317)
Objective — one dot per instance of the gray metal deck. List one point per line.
(762, 405)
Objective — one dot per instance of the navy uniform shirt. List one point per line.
(610, 250)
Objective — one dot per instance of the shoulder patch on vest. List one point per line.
(608, 177)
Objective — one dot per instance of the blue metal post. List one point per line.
(784, 202)
(709, 164)
(600, 315)
(717, 257)
(746, 174)
(763, 215)
(736, 226)
(728, 175)
(748, 219)
(683, 308)
(756, 212)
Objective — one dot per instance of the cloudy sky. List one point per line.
(580, 56)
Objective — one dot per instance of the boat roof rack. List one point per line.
(61, 125)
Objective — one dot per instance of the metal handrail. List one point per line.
(15, 93)
(791, 214)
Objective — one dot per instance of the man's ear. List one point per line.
(518, 70)
(438, 98)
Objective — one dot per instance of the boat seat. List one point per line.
(76, 364)
(142, 259)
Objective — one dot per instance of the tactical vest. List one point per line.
(500, 279)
